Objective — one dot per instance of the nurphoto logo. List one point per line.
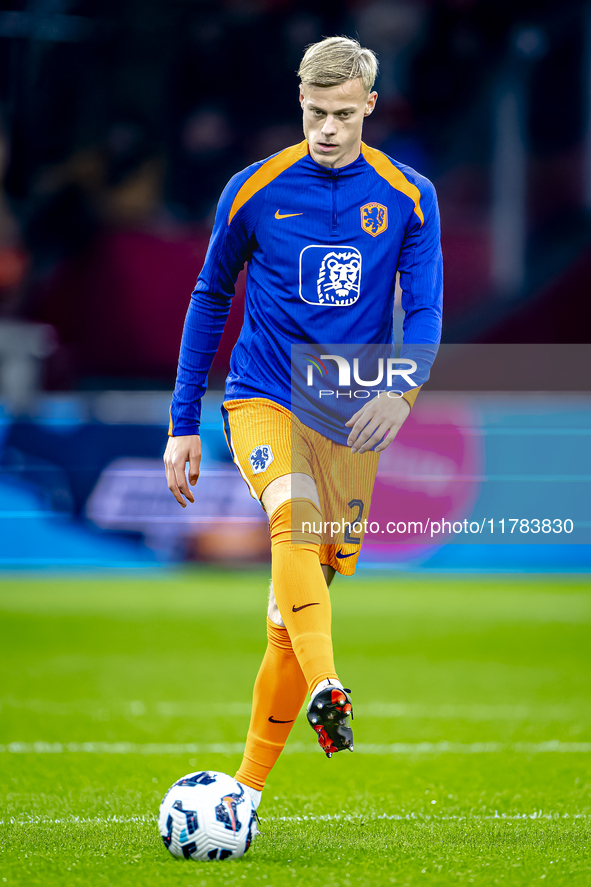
(389, 367)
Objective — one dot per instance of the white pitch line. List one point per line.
(78, 820)
(123, 748)
(203, 710)
(552, 746)
(476, 748)
(419, 816)
(424, 817)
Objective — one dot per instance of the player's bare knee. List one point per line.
(273, 613)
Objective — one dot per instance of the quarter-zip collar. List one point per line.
(351, 169)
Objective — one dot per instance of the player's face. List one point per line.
(333, 120)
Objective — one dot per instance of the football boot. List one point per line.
(328, 714)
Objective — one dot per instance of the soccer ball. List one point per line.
(207, 815)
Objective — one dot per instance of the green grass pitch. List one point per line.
(472, 731)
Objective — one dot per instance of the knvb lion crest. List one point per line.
(374, 218)
(260, 458)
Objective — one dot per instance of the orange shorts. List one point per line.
(267, 441)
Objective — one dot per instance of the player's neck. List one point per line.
(347, 160)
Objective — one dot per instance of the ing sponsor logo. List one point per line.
(330, 275)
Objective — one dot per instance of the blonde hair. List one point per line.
(336, 60)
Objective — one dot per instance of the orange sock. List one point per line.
(300, 588)
(279, 693)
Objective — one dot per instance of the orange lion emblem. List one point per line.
(374, 218)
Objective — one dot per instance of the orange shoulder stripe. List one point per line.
(266, 173)
(386, 169)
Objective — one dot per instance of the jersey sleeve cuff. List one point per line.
(181, 429)
(411, 396)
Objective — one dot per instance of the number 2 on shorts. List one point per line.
(350, 539)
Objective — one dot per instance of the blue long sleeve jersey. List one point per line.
(323, 248)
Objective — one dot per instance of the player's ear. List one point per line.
(301, 97)
(371, 103)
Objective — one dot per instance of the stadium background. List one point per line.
(121, 124)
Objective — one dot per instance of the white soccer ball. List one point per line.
(207, 815)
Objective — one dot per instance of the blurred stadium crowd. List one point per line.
(120, 123)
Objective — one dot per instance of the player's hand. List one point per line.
(179, 451)
(378, 420)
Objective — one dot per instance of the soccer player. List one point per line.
(326, 226)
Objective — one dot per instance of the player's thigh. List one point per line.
(289, 486)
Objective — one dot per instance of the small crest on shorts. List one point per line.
(374, 218)
(260, 458)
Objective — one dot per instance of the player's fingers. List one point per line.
(356, 431)
(388, 439)
(355, 417)
(375, 438)
(354, 439)
(181, 479)
(365, 435)
(365, 416)
(194, 460)
(173, 485)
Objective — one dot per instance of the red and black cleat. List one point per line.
(328, 714)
